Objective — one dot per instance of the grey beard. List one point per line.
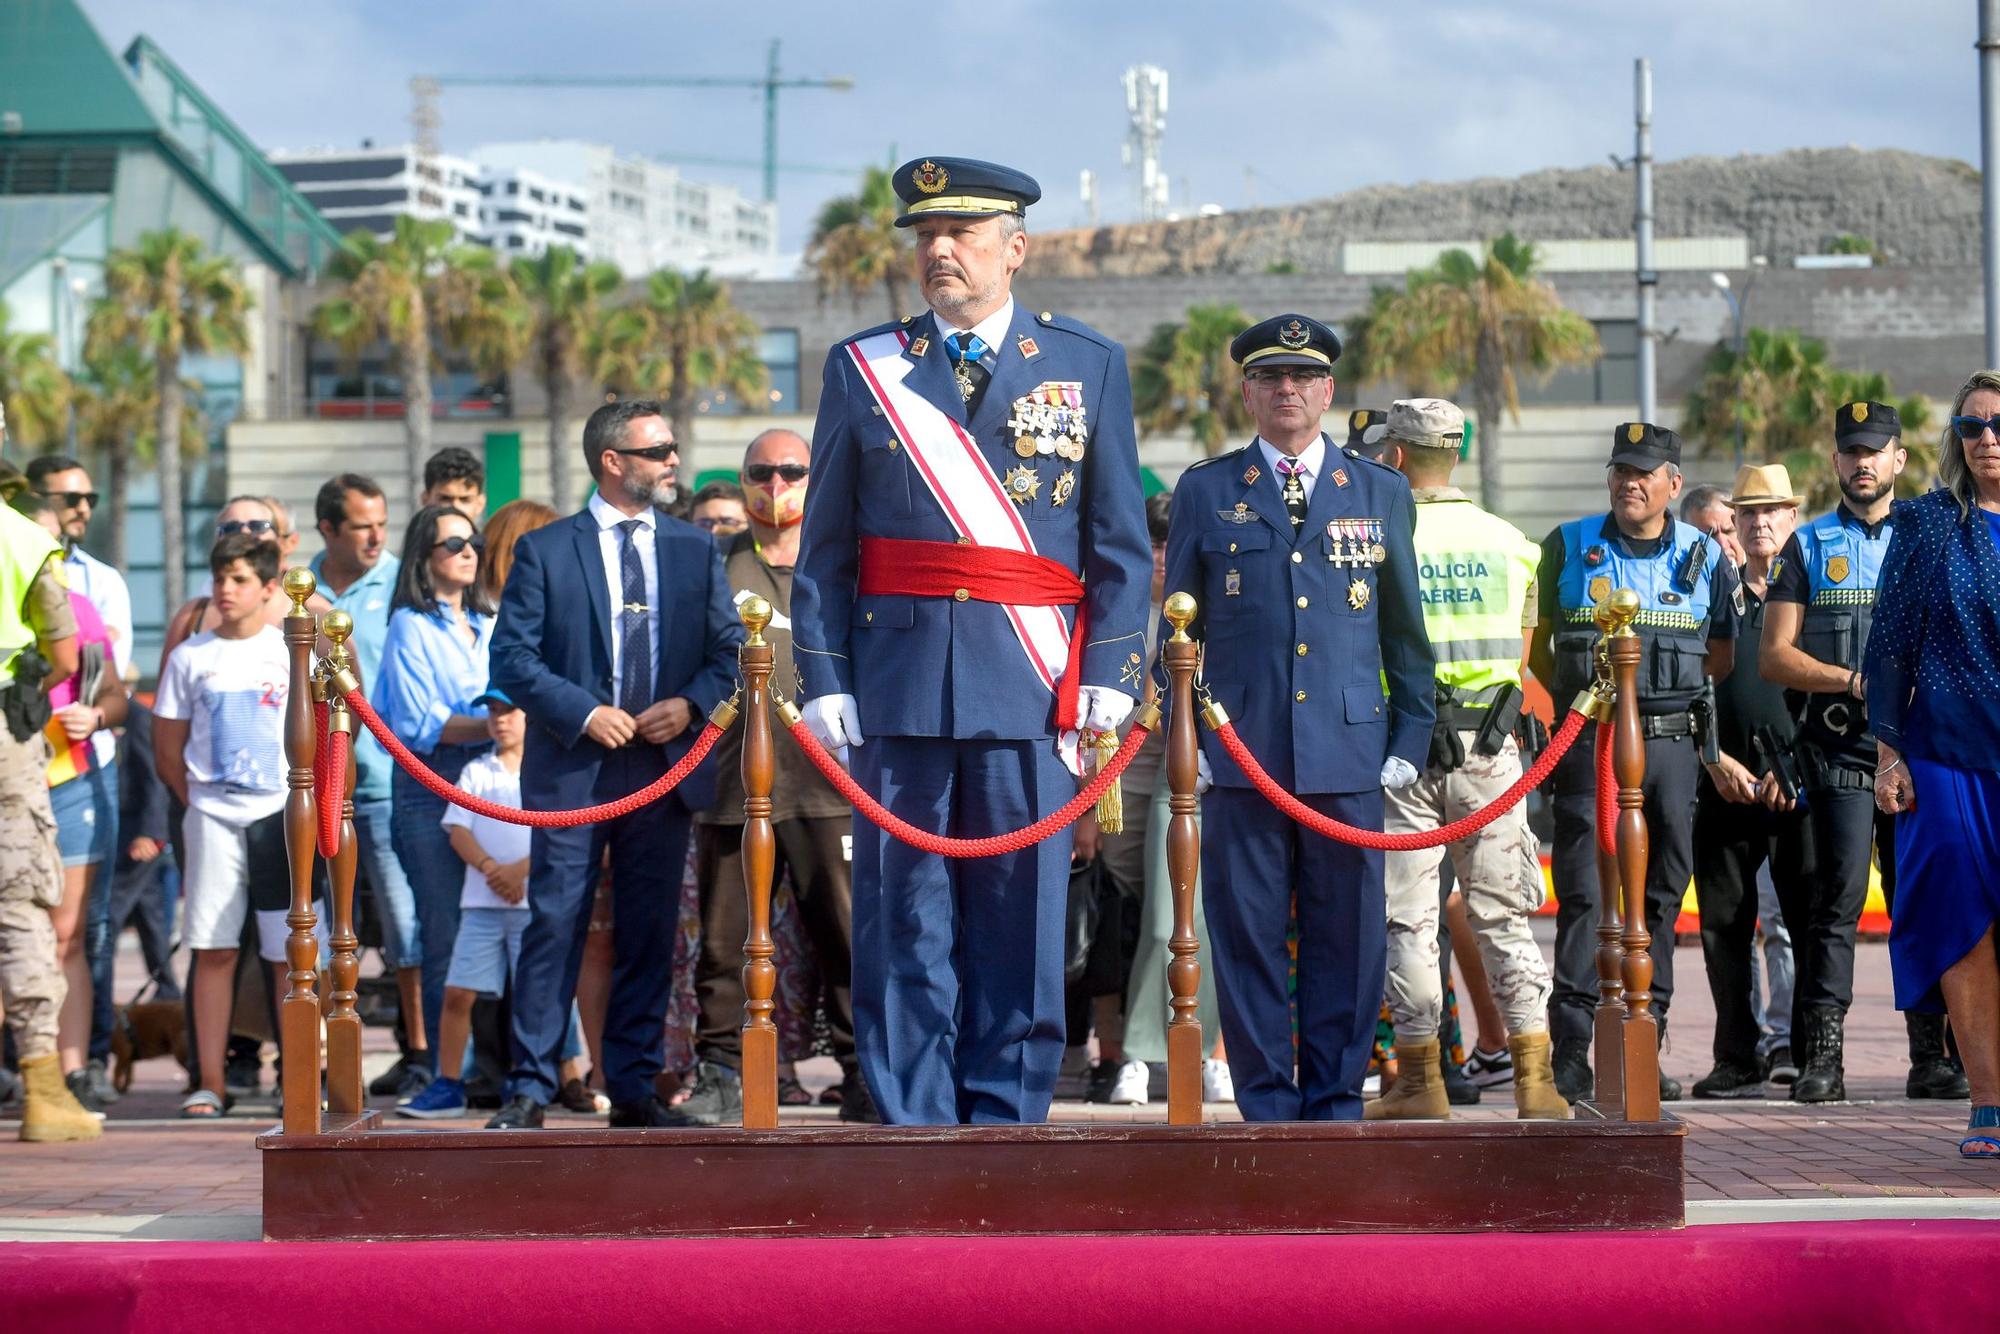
(951, 306)
(661, 494)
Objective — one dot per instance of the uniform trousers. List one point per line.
(1497, 869)
(1258, 866)
(1672, 766)
(1824, 910)
(1732, 841)
(958, 962)
(31, 978)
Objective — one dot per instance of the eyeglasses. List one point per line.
(456, 545)
(1272, 375)
(763, 472)
(72, 499)
(721, 523)
(260, 527)
(652, 453)
(1971, 428)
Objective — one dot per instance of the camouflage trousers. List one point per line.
(1498, 871)
(31, 980)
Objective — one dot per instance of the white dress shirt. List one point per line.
(611, 541)
(1311, 459)
(992, 330)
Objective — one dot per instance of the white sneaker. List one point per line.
(1216, 1085)
(1130, 1090)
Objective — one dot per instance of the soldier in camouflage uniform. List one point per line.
(1476, 578)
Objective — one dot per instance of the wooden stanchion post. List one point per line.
(298, 1014)
(760, 975)
(343, 1022)
(1184, 1047)
(1640, 1031)
(1614, 618)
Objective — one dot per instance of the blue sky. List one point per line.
(1273, 101)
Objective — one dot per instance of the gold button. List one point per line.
(1302, 604)
(1297, 557)
(892, 445)
(1300, 697)
(869, 616)
(1232, 546)
(1302, 650)
(961, 594)
(965, 541)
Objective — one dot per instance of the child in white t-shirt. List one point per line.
(218, 743)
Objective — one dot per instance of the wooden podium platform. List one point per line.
(363, 1183)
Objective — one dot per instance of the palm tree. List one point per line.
(167, 298)
(1185, 377)
(682, 336)
(1485, 320)
(562, 298)
(34, 392)
(117, 407)
(416, 290)
(856, 245)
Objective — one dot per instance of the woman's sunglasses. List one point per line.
(1971, 428)
(456, 545)
(761, 473)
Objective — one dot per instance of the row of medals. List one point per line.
(1048, 422)
(1357, 544)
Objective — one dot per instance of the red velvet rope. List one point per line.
(609, 810)
(328, 776)
(1571, 728)
(1607, 794)
(992, 845)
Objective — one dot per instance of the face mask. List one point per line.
(778, 505)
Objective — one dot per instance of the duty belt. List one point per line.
(1463, 717)
(1666, 726)
(1825, 773)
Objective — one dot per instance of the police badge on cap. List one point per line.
(1866, 425)
(1367, 433)
(1644, 446)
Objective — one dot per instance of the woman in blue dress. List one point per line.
(1932, 678)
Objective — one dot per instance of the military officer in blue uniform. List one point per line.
(972, 585)
(1300, 556)
(1815, 628)
(1688, 608)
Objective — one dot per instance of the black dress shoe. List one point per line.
(648, 1113)
(1572, 1069)
(857, 1104)
(519, 1112)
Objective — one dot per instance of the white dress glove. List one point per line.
(1396, 772)
(1204, 777)
(835, 720)
(1103, 708)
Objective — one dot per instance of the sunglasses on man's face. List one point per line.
(652, 453)
(761, 473)
(1970, 429)
(258, 527)
(72, 499)
(456, 545)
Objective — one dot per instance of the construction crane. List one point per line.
(426, 122)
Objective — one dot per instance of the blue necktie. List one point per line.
(635, 669)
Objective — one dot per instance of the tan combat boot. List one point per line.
(49, 1115)
(1535, 1096)
(1418, 1094)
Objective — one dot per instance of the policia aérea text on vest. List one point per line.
(1843, 565)
(1474, 571)
(1676, 588)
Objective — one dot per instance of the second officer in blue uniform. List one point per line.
(1301, 559)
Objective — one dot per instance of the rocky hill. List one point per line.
(1916, 209)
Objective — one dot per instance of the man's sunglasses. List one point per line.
(763, 472)
(260, 527)
(1971, 428)
(72, 499)
(652, 453)
(456, 545)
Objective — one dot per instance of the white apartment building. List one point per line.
(515, 211)
(645, 215)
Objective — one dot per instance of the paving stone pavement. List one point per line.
(155, 1176)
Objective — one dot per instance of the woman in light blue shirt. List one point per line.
(433, 674)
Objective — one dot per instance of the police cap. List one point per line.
(1644, 446)
(1866, 425)
(1286, 340)
(961, 187)
(1367, 432)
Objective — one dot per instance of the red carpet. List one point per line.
(1873, 1276)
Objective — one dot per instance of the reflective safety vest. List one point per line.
(1474, 570)
(1676, 588)
(25, 546)
(1843, 566)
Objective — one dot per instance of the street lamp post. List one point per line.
(1736, 304)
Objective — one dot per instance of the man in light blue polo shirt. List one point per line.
(357, 574)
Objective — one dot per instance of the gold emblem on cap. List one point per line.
(930, 178)
(1294, 335)
(1359, 421)
(1635, 432)
(1860, 411)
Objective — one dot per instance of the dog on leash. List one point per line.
(146, 1030)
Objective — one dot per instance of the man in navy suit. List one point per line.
(616, 637)
(972, 589)
(1301, 557)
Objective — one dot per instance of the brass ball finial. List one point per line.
(1616, 611)
(299, 586)
(1180, 611)
(337, 626)
(756, 614)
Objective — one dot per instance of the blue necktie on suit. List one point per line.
(635, 671)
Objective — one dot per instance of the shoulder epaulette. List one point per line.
(890, 327)
(1077, 327)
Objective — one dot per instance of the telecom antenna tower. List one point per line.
(1146, 103)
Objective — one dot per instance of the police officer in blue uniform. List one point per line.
(1688, 609)
(1300, 556)
(973, 580)
(1816, 626)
